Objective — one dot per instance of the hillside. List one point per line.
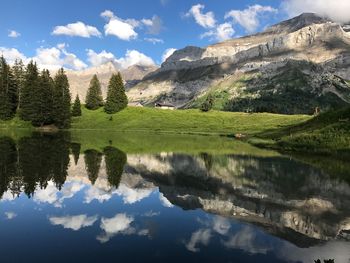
(291, 67)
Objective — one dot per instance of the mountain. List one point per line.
(291, 67)
(79, 80)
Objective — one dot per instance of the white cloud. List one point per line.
(167, 53)
(220, 33)
(54, 58)
(77, 29)
(94, 193)
(120, 223)
(11, 54)
(10, 215)
(123, 29)
(74, 222)
(335, 10)
(97, 59)
(206, 20)
(131, 195)
(134, 57)
(202, 236)
(154, 25)
(154, 40)
(249, 18)
(14, 34)
(120, 29)
(164, 201)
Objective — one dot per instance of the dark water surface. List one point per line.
(67, 198)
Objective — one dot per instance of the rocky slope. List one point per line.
(79, 80)
(303, 61)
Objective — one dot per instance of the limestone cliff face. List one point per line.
(192, 71)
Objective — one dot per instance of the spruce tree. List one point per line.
(116, 97)
(76, 110)
(28, 92)
(8, 91)
(42, 103)
(207, 105)
(94, 98)
(19, 73)
(61, 100)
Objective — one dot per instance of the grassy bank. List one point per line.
(184, 121)
(326, 133)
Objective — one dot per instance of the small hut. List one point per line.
(164, 106)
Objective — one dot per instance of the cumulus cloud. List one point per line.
(206, 20)
(54, 58)
(249, 18)
(154, 40)
(97, 59)
(220, 33)
(74, 222)
(167, 53)
(335, 10)
(77, 29)
(123, 29)
(11, 54)
(132, 57)
(120, 223)
(13, 34)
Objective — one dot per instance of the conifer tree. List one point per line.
(61, 100)
(42, 103)
(94, 98)
(8, 91)
(116, 97)
(28, 92)
(75, 148)
(19, 74)
(76, 110)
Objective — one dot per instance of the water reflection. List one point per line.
(169, 207)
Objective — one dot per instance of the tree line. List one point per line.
(37, 97)
(32, 162)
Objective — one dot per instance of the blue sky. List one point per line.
(49, 32)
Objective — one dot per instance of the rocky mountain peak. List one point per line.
(296, 23)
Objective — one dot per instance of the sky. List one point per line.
(78, 34)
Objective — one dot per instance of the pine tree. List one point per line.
(61, 100)
(116, 97)
(19, 73)
(76, 110)
(94, 98)
(28, 92)
(42, 103)
(8, 91)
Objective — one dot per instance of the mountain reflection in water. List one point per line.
(167, 207)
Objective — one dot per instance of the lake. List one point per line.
(107, 197)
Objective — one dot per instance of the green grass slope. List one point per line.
(327, 133)
(184, 121)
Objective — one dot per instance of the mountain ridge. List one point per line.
(316, 42)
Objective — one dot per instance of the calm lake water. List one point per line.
(120, 198)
